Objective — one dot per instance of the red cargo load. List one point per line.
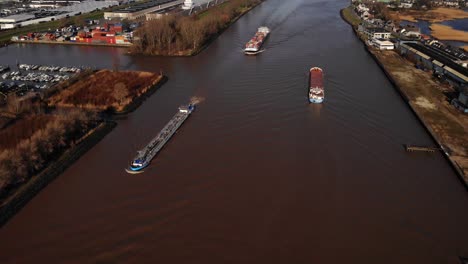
(316, 78)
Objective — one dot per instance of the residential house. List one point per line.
(378, 33)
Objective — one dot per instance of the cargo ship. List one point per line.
(144, 156)
(316, 91)
(255, 44)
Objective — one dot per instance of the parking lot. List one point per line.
(32, 78)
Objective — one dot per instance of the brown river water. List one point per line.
(256, 174)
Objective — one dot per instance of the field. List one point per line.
(433, 16)
(106, 90)
(426, 96)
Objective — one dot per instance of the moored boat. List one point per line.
(316, 89)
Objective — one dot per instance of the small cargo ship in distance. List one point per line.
(316, 90)
(255, 44)
(144, 156)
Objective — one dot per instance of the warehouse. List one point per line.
(25, 19)
(140, 10)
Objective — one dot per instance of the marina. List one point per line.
(144, 156)
(33, 77)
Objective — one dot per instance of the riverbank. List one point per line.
(16, 200)
(426, 97)
(188, 36)
(71, 43)
(215, 36)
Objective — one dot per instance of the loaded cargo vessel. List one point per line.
(316, 90)
(144, 156)
(255, 44)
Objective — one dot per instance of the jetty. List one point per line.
(411, 148)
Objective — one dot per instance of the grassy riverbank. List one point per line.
(350, 16)
(17, 198)
(187, 36)
(428, 100)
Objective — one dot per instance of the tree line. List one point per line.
(178, 35)
(51, 136)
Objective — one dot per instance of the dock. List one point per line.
(411, 148)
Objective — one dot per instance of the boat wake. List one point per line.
(254, 53)
(196, 100)
(133, 172)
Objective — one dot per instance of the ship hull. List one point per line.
(316, 101)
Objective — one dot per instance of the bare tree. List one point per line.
(120, 92)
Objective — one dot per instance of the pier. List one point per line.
(411, 148)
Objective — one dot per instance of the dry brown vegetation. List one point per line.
(172, 35)
(443, 32)
(426, 97)
(105, 90)
(28, 145)
(434, 15)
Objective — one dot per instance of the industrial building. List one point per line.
(382, 44)
(442, 65)
(21, 20)
(140, 10)
(52, 3)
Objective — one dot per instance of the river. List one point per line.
(256, 174)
